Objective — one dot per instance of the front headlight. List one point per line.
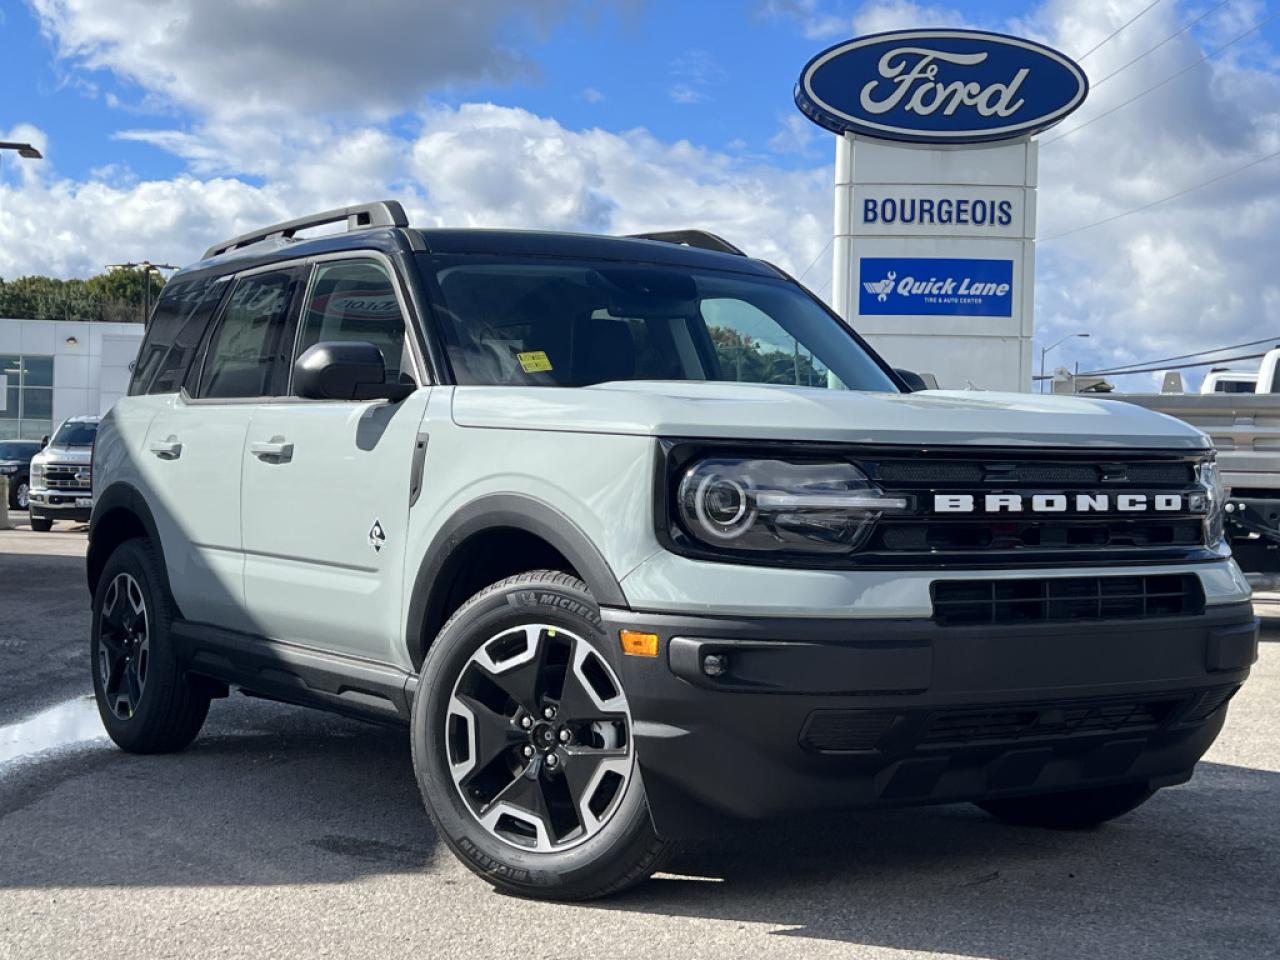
(8, 468)
(766, 505)
(1215, 497)
(37, 475)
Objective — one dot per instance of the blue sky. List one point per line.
(170, 123)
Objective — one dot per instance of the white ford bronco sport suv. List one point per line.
(637, 537)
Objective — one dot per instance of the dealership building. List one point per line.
(54, 369)
(935, 193)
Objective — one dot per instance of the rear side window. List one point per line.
(355, 300)
(246, 348)
(170, 340)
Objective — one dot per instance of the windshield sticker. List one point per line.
(534, 361)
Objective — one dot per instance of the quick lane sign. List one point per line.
(940, 86)
(929, 286)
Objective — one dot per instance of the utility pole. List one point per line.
(24, 150)
(147, 268)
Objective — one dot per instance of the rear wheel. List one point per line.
(1070, 810)
(41, 524)
(146, 701)
(522, 743)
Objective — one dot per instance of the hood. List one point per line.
(74, 455)
(756, 412)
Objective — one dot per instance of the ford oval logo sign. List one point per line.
(940, 86)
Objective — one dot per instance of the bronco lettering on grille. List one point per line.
(1061, 502)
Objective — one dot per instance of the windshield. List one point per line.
(75, 434)
(547, 322)
(18, 451)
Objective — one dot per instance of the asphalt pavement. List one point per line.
(286, 832)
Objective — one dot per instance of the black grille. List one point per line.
(968, 602)
(1210, 702)
(863, 731)
(1049, 720)
(942, 473)
(846, 731)
(1031, 533)
(928, 534)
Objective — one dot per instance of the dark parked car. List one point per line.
(15, 466)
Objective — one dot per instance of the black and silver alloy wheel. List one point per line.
(124, 645)
(524, 748)
(146, 699)
(538, 738)
(22, 497)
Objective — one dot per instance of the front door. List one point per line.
(192, 454)
(326, 483)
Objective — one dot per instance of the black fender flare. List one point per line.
(120, 497)
(511, 511)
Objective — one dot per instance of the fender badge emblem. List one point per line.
(377, 536)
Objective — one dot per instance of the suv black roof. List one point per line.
(383, 226)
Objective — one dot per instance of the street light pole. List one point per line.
(24, 150)
(1044, 352)
(147, 268)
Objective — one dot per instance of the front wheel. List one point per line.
(21, 496)
(523, 745)
(41, 524)
(1070, 810)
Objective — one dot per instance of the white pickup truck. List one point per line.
(1245, 430)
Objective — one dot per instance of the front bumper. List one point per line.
(836, 713)
(61, 504)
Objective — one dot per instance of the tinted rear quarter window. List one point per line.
(173, 334)
(249, 343)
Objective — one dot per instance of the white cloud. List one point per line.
(815, 24)
(696, 72)
(271, 57)
(683, 93)
(795, 135)
(478, 165)
(592, 95)
(899, 14)
(1195, 272)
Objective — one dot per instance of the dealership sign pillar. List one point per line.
(935, 194)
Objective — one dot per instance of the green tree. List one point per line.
(746, 360)
(117, 295)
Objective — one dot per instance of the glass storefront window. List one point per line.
(28, 409)
(37, 371)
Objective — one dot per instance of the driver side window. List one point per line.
(356, 300)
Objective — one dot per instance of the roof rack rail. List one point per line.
(701, 239)
(361, 216)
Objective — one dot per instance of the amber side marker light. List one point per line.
(637, 644)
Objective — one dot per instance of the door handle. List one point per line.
(275, 450)
(167, 449)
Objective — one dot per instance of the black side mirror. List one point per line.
(913, 380)
(345, 370)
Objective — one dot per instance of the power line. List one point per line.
(1095, 84)
(1138, 96)
(1180, 366)
(1156, 203)
(830, 240)
(1188, 356)
(1122, 26)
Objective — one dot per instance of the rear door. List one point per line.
(195, 443)
(327, 483)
